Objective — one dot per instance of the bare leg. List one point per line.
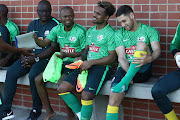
(43, 94)
(115, 99)
(70, 114)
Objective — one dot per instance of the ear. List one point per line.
(132, 15)
(107, 17)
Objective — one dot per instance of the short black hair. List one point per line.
(4, 10)
(109, 8)
(67, 7)
(125, 9)
(45, 2)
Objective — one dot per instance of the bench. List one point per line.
(101, 101)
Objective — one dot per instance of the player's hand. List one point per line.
(61, 55)
(3, 61)
(77, 58)
(86, 65)
(27, 51)
(141, 60)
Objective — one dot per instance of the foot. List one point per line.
(8, 114)
(34, 115)
(50, 115)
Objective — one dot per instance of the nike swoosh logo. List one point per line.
(89, 36)
(9, 113)
(91, 88)
(126, 40)
(61, 37)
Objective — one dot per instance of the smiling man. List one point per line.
(100, 53)
(137, 45)
(71, 39)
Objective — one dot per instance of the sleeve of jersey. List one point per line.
(83, 40)
(154, 35)
(30, 27)
(53, 34)
(111, 42)
(175, 44)
(14, 34)
(87, 40)
(118, 38)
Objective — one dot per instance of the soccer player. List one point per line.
(169, 82)
(6, 59)
(137, 45)
(100, 53)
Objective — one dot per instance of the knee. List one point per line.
(141, 46)
(87, 96)
(38, 80)
(63, 88)
(156, 92)
(31, 76)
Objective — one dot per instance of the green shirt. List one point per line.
(175, 44)
(13, 30)
(100, 42)
(129, 39)
(71, 41)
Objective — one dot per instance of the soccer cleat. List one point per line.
(74, 65)
(8, 114)
(81, 81)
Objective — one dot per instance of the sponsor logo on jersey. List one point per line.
(130, 51)
(99, 37)
(94, 48)
(73, 39)
(68, 49)
(46, 33)
(141, 39)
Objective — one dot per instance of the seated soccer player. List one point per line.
(169, 82)
(71, 39)
(137, 45)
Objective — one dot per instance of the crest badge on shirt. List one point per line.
(72, 39)
(141, 39)
(46, 33)
(99, 37)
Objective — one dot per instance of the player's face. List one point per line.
(67, 17)
(99, 16)
(44, 12)
(126, 21)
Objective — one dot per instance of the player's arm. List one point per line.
(102, 61)
(42, 43)
(4, 47)
(120, 50)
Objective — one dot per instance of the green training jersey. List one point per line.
(13, 30)
(175, 44)
(100, 42)
(71, 41)
(129, 39)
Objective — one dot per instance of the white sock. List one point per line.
(177, 60)
(79, 115)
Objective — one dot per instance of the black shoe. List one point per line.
(34, 115)
(8, 114)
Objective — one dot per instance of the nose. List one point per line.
(94, 14)
(122, 24)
